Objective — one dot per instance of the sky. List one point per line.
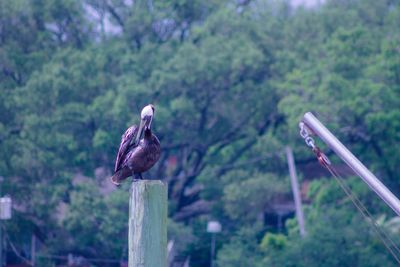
(307, 3)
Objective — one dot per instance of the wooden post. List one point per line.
(148, 224)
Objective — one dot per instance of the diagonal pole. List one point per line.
(366, 175)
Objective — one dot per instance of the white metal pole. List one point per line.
(212, 249)
(368, 177)
(33, 250)
(295, 189)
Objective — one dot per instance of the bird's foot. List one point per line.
(136, 177)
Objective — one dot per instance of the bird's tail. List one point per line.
(117, 178)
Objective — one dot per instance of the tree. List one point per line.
(230, 81)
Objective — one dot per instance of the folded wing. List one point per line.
(127, 137)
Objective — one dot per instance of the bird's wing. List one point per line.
(126, 139)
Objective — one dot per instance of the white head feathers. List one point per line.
(147, 111)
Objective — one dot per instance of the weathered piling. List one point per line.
(148, 224)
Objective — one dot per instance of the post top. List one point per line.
(148, 182)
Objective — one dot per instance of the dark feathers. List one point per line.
(127, 137)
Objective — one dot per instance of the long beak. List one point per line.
(140, 131)
(149, 120)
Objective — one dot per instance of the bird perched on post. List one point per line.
(137, 154)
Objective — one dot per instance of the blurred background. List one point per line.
(230, 81)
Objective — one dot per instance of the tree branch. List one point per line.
(115, 15)
(197, 208)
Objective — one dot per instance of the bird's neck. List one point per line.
(147, 133)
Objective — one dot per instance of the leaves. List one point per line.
(230, 82)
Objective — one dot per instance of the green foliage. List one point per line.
(259, 192)
(273, 241)
(332, 240)
(243, 249)
(230, 81)
(181, 234)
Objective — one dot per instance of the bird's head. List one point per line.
(146, 118)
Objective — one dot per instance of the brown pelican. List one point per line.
(136, 154)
